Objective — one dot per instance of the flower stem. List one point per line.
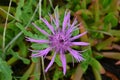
(40, 1)
(4, 32)
(43, 68)
(12, 60)
(96, 10)
(28, 72)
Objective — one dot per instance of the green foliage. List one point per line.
(57, 74)
(99, 17)
(24, 11)
(76, 32)
(5, 71)
(111, 18)
(105, 3)
(95, 64)
(115, 33)
(104, 44)
(58, 61)
(87, 56)
(17, 56)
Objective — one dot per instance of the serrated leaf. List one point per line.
(24, 11)
(5, 71)
(26, 33)
(111, 18)
(18, 9)
(16, 55)
(39, 46)
(87, 56)
(20, 26)
(42, 26)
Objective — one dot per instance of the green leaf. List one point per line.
(87, 56)
(95, 64)
(39, 46)
(76, 32)
(58, 74)
(86, 14)
(105, 3)
(21, 27)
(27, 12)
(115, 33)
(104, 43)
(18, 9)
(16, 55)
(58, 61)
(5, 71)
(23, 49)
(42, 26)
(28, 33)
(111, 18)
(35, 59)
(69, 58)
(24, 11)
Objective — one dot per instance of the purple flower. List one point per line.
(60, 40)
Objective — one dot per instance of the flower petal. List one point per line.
(78, 36)
(48, 25)
(80, 43)
(41, 52)
(74, 22)
(42, 31)
(75, 54)
(63, 60)
(56, 21)
(69, 31)
(51, 62)
(52, 19)
(65, 21)
(37, 41)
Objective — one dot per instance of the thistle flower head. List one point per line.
(60, 40)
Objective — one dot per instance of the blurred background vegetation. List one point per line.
(101, 18)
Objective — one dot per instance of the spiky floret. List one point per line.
(60, 40)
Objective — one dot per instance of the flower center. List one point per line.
(59, 42)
